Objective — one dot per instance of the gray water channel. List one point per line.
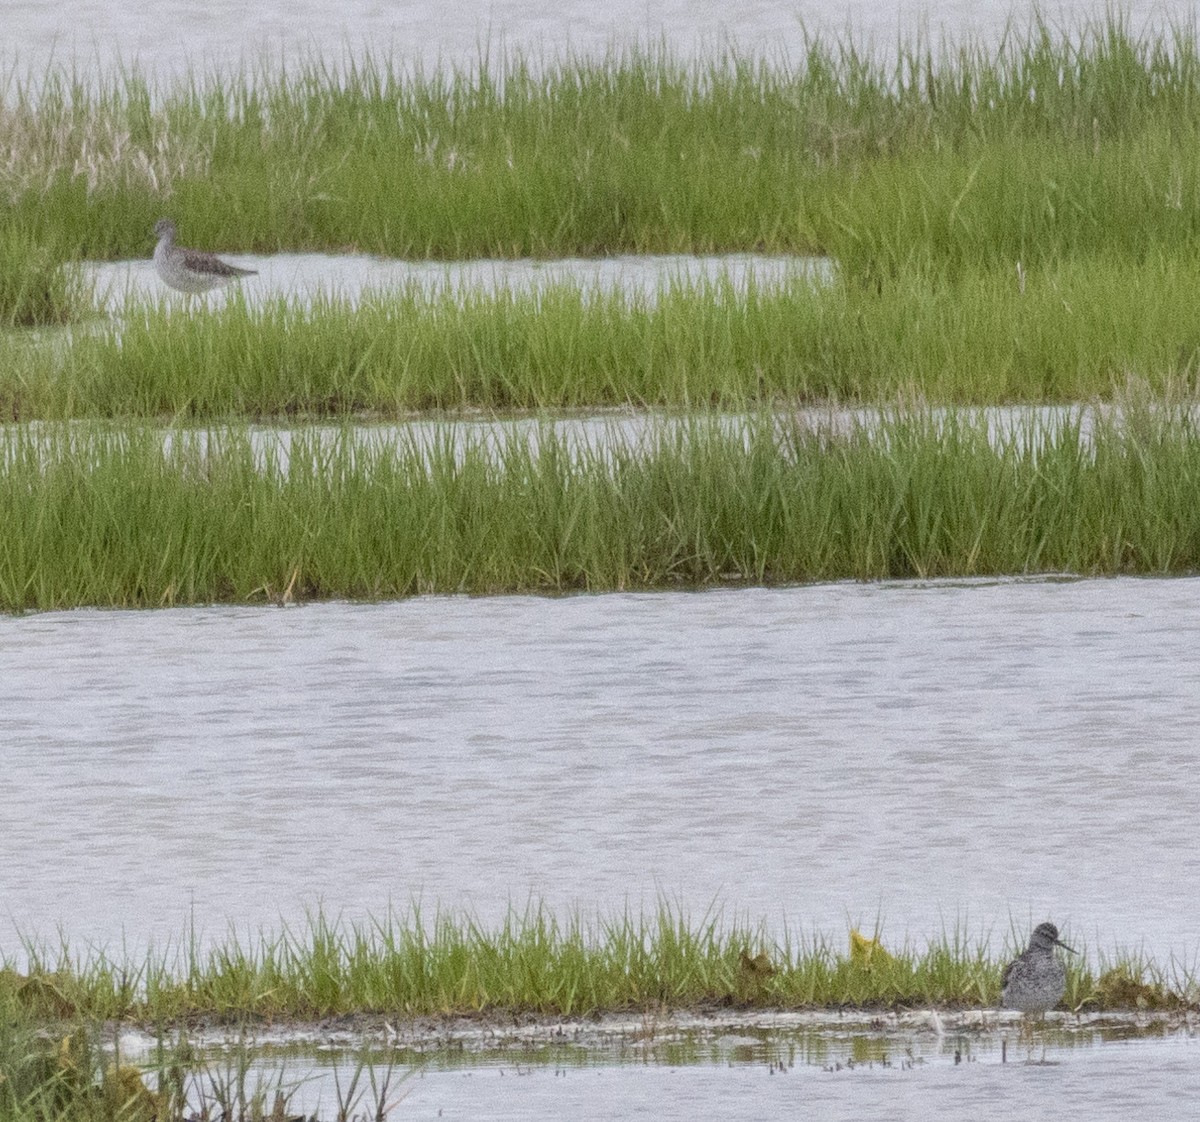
(172, 37)
(934, 755)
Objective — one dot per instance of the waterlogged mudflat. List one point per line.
(741, 1066)
(931, 754)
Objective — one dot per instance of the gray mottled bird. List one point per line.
(190, 270)
(1035, 980)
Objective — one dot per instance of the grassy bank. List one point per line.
(1051, 144)
(409, 965)
(112, 517)
(1063, 332)
(61, 1013)
(63, 1053)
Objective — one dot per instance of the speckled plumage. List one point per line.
(1035, 980)
(190, 270)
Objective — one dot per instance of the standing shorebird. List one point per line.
(1034, 981)
(190, 270)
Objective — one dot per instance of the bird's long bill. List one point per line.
(1064, 946)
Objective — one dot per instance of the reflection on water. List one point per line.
(1108, 1083)
(744, 1070)
(932, 754)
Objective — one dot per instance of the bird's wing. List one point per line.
(199, 261)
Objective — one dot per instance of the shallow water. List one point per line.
(747, 1070)
(309, 276)
(628, 429)
(934, 754)
(1110, 1083)
(1118, 1081)
(597, 436)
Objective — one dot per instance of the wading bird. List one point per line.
(1035, 980)
(190, 270)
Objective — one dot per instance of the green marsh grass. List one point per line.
(1054, 142)
(37, 286)
(74, 1069)
(1059, 333)
(135, 516)
(535, 962)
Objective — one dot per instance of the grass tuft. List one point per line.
(37, 287)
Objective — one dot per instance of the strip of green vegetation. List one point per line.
(1050, 144)
(60, 1013)
(534, 962)
(115, 518)
(1057, 333)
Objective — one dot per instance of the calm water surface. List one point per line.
(932, 754)
(170, 36)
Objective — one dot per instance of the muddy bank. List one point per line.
(621, 1034)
